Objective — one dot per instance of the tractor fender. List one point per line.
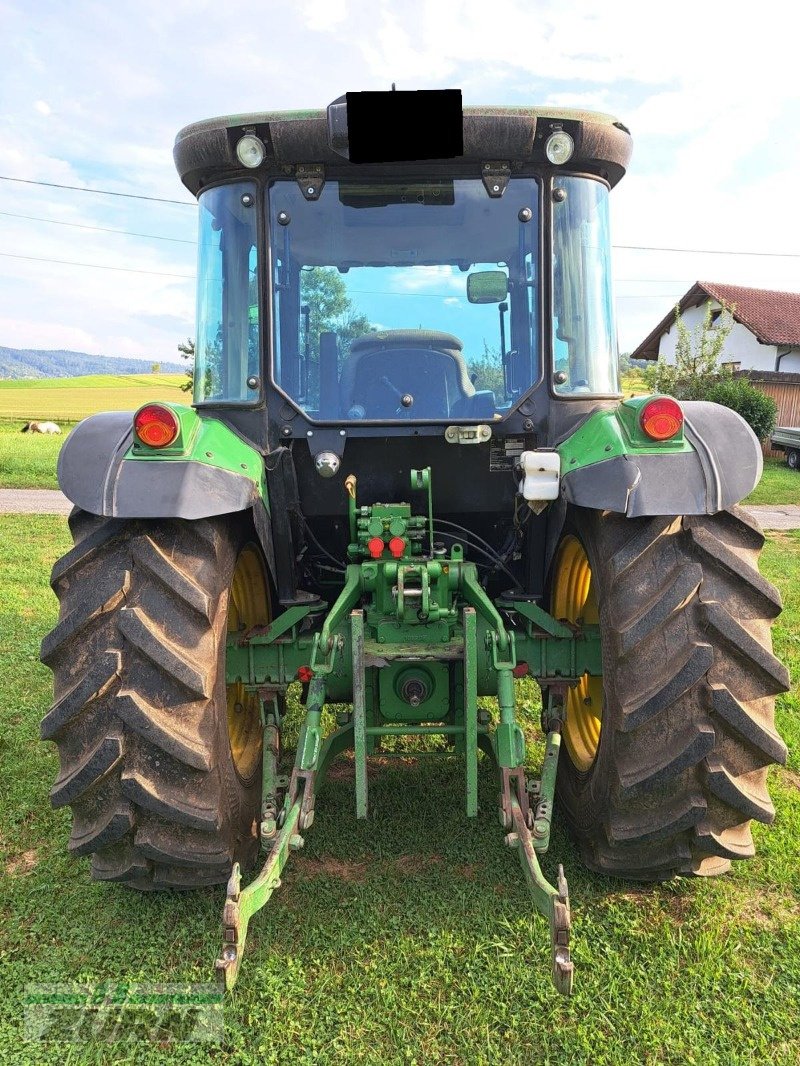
(723, 466)
(97, 473)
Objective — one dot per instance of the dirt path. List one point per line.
(51, 501)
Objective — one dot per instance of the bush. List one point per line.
(757, 409)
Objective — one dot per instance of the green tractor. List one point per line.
(408, 479)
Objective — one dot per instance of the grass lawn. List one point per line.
(409, 938)
(778, 484)
(28, 460)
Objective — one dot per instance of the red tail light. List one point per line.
(155, 426)
(661, 419)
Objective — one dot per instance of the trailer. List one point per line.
(786, 439)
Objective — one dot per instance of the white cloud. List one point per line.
(43, 107)
(16, 333)
(323, 15)
(422, 278)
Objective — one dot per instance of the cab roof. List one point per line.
(205, 152)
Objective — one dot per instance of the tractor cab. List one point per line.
(405, 291)
(419, 291)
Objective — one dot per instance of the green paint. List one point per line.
(430, 679)
(412, 642)
(608, 434)
(543, 816)
(470, 701)
(309, 744)
(271, 721)
(509, 740)
(204, 440)
(421, 479)
(359, 711)
(242, 904)
(262, 660)
(540, 618)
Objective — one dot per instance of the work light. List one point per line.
(558, 147)
(250, 151)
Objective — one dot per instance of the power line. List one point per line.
(99, 229)
(97, 266)
(702, 251)
(98, 192)
(186, 203)
(687, 280)
(159, 199)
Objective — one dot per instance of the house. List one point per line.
(765, 335)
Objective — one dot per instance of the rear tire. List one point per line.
(689, 679)
(140, 715)
(793, 459)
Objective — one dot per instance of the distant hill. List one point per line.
(30, 363)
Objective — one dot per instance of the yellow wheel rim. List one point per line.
(574, 600)
(248, 605)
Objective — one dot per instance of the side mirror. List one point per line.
(487, 287)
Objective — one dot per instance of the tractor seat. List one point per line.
(425, 364)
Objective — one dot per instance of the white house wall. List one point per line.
(741, 345)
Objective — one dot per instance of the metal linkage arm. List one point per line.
(324, 649)
(552, 902)
(530, 835)
(314, 754)
(475, 595)
(242, 904)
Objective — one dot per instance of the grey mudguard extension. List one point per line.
(724, 468)
(95, 476)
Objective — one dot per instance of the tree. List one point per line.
(697, 374)
(323, 291)
(628, 365)
(187, 352)
(155, 368)
(697, 353)
(486, 372)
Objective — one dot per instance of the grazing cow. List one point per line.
(40, 427)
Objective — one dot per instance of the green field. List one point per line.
(28, 461)
(633, 384)
(70, 399)
(409, 938)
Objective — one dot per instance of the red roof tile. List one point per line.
(773, 317)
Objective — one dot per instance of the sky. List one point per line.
(92, 95)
